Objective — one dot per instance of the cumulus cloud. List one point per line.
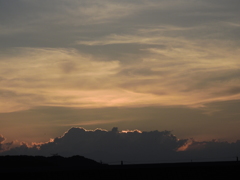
(4, 146)
(111, 145)
(132, 146)
(2, 139)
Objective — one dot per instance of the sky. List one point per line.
(152, 65)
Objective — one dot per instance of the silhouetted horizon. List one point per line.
(57, 166)
(130, 146)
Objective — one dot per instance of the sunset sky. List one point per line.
(133, 64)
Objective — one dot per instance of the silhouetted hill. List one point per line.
(41, 161)
(78, 167)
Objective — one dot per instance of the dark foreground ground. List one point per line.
(82, 168)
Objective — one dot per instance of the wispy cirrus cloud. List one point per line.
(38, 74)
(191, 75)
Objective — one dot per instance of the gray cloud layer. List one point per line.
(60, 23)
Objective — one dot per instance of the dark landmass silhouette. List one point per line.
(40, 163)
(79, 167)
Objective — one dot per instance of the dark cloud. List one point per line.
(213, 150)
(130, 146)
(108, 145)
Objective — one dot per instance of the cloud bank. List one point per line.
(131, 146)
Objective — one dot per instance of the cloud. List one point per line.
(131, 146)
(107, 145)
(172, 60)
(92, 54)
(2, 139)
(64, 21)
(213, 150)
(190, 74)
(49, 76)
(4, 146)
